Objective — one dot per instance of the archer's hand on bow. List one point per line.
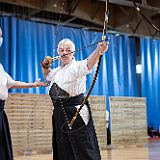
(102, 47)
(46, 63)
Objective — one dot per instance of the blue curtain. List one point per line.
(119, 67)
(26, 43)
(121, 64)
(150, 79)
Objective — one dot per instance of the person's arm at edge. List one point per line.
(19, 84)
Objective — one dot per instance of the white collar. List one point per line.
(71, 62)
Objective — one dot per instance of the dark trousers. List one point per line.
(6, 152)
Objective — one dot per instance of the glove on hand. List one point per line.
(46, 63)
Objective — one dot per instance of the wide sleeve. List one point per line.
(82, 68)
(10, 81)
(51, 74)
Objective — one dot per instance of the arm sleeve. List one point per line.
(82, 68)
(10, 81)
(51, 75)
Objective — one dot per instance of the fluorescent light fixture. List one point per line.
(117, 34)
(138, 68)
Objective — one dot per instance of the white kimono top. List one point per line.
(72, 79)
(5, 83)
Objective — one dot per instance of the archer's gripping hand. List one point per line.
(46, 63)
(102, 47)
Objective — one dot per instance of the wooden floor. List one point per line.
(150, 151)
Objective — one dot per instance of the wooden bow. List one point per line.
(97, 69)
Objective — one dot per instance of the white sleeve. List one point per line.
(51, 74)
(82, 68)
(10, 81)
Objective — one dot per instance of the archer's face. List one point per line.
(66, 53)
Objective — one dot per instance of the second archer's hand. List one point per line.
(38, 83)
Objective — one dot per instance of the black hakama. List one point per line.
(79, 143)
(6, 152)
